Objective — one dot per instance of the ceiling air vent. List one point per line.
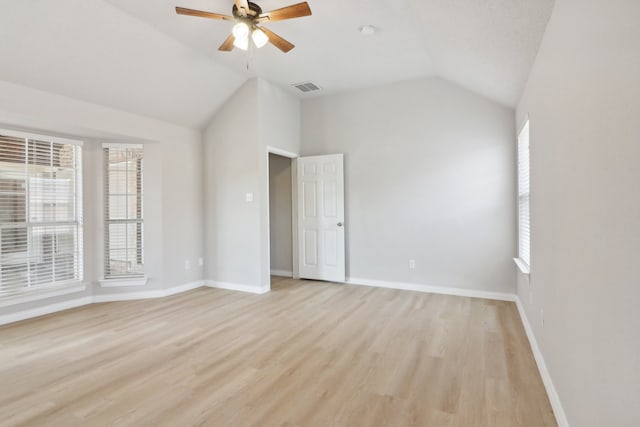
(306, 87)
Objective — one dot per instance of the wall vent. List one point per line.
(306, 87)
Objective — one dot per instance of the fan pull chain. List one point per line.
(249, 54)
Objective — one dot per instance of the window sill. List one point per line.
(34, 295)
(123, 282)
(523, 266)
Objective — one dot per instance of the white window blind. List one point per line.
(524, 235)
(40, 213)
(124, 223)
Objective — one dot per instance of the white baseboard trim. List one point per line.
(126, 296)
(66, 305)
(185, 288)
(558, 410)
(35, 296)
(123, 282)
(500, 296)
(238, 287)
(282, 273)
(41, 311)
(156, 293)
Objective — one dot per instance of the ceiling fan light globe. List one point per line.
(241, 43)
(240, 31)
(259, 38)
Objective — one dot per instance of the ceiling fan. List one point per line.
(248, 15)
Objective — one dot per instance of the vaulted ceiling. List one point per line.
(93, 51)
(140, 56)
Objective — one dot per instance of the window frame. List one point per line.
(133, 279)
(42, 289)
(523, 260)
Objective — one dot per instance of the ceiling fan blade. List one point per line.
(243, 6)
(201, 14)
(278, 41)
(227, 45)
(289, 12)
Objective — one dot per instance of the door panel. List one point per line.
(330, 243)
(310, 248)
(321, 240)
(310, 199)
(330, 200)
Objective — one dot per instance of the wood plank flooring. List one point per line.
(306, 354)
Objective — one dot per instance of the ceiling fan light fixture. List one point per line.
(241, 31)
(259, 38)
(241, 42)
(247, 15)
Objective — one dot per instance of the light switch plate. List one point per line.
(249, 197)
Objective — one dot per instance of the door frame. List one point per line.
(294, 209)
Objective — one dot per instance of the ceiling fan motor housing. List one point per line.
(253, 12)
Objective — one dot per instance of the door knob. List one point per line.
(339, 224)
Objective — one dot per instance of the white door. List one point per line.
(320, 195)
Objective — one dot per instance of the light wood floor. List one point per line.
(306, 354)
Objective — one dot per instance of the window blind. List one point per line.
(124, 223)
(40, 213)
(524, 197)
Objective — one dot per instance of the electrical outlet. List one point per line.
(187, 265)
(412, 264)
(200, 262)
(248, 197)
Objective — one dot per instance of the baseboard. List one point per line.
(185, 288)
(500, 296)
(22, 299)
(282, 273)
(41, 311)
(238, 287)
(156, 293)
(66, 305)
(124, 282)
(558, 410)
(128, 296)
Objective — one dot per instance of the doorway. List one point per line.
(280, 216)
(306, 235)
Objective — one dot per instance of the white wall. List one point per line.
(583, 99)
(256, 117)
(279, 115)
(429, 175)
(173, 180)
(182, 210)
(280, 213)
(232, 169)
(279, 118)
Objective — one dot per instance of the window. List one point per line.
(524, 242)
(124, 224)
(40, 213)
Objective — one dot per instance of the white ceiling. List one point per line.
(141, 57)
(485, 45)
